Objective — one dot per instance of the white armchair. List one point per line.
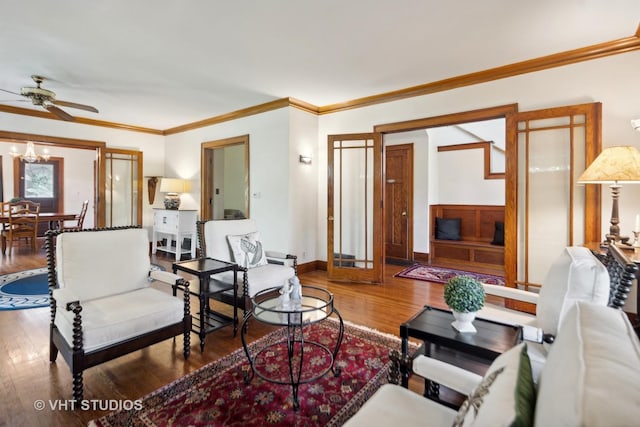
(102, 304)
(238, 241)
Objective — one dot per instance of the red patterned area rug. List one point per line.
(217, 395)
(428, 273)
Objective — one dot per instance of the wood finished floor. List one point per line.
(26, 374)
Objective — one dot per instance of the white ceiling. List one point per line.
(164, 63)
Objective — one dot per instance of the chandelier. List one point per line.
(30, 155)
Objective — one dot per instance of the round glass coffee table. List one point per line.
(307, 360)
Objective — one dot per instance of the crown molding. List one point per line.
(249, 111)
(46, 115)
(600, 50)
(588, 53)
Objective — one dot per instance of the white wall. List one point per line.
(460, 173)
(303, 185)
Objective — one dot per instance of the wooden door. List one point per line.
(398, 202)
(546, 210)
(355, 209)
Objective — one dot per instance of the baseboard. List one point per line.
(308, 267)
(421, 257)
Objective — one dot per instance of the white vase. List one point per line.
(463, 322)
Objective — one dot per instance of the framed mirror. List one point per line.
(225, 178)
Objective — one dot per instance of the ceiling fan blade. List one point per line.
(75, 105)
(8, 91)
(58, 112)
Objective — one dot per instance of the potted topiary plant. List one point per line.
(465, 296)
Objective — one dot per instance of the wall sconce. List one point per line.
(173, 187)
(152, 182)
(305, 160)
(635, 123)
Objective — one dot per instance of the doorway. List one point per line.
(225, 178)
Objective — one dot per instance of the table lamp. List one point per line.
(614, 166)
(173, 187)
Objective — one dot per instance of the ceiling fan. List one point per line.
(47, 99)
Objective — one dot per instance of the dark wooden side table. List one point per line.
(433, 327)
(209, 320)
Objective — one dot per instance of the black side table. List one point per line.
(209, 320)
(433, 326)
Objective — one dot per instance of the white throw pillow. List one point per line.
(506, 395)
(577, 275)
(247, 250)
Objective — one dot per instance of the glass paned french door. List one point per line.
(549, 149)
(123, 188)
(355, 236)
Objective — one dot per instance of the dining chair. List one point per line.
(23, 224)
(79, 221)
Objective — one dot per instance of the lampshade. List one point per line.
(174, 185)
(613, 165)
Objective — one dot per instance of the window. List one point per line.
(38, 180)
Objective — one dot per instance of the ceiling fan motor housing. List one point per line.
(37, 95)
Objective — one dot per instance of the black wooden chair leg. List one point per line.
(187, 344)
(77, 386)
(53, 352)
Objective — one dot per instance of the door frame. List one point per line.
(206, 176)
(84, 144)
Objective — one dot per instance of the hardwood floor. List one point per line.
(27, 376)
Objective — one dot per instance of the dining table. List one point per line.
(55, 219)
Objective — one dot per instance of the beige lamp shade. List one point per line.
(613, 165)
(174, 185)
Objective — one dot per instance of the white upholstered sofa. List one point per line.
(591, 377)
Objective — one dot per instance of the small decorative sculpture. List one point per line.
(285, 293)
(296, 289)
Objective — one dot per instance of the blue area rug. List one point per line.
(28, 289)
(24, 289)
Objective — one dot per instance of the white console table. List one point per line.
(174, 226)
